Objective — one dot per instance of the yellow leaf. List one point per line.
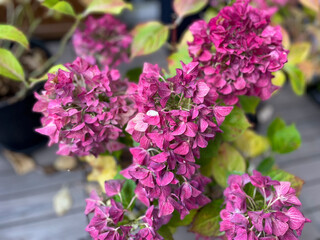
(186, 37)
(21, 163)
(252, 144)
(279, 78)
(103, 168)
(299, 52)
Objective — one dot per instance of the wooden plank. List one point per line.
(68, 227)
(35, 182)
(309, 193)
(310, 231)
(307, 151)
(308, 171)
(5, 167)
(28, 208)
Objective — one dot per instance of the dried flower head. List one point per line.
(258, 207)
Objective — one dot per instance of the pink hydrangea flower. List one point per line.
(246, 51)
(84, 109)
(269, 211)
(176, 118)
(103, 41)
(108, 215)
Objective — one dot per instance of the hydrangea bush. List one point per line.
(191, 146)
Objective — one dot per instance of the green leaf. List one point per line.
(127, 192)
(284, 139)
(281, 175)
(165, 232)
(188, 7)
(148, 38)
(134, 74)
(10, 66)
(107, 6)
(65, 8)
(52, 70)
(229, 161)
(251, 144)
(266, 165)
(276, 125)
(206, 155)
(11, 33)
(207, 220)
(50, 3)
(279, 78)
(299, 52)
(249, 103)
(234, 125)
(174, 60)
(175, 221)
(297, 79)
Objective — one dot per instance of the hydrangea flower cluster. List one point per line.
(103, 41)
(173, 123)
(238, 50)
(258, 207)
(84, 109)
(111, 220)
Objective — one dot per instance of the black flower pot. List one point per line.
(17, 125)
(18, 122)
(313, 90)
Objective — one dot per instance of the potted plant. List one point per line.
(24, 61)
(194, 155)
(19, 58)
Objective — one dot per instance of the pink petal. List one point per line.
(179, 130)
(161, 157)
(182, 149)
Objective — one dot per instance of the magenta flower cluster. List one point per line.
(107, 215)
(173, 123)
(104, 41)
(84, 109)
(238, 51)
(258, 207)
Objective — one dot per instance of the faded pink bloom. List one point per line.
(84, 109)
(176, 118)
(262, 213)
(104, 41)
(246, 51)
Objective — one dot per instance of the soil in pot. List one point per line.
(17, 121)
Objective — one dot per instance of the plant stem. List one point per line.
(54, 58)
(131, 202)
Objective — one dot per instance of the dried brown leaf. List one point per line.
(62, 201)
(21, 163)
(65, 163)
